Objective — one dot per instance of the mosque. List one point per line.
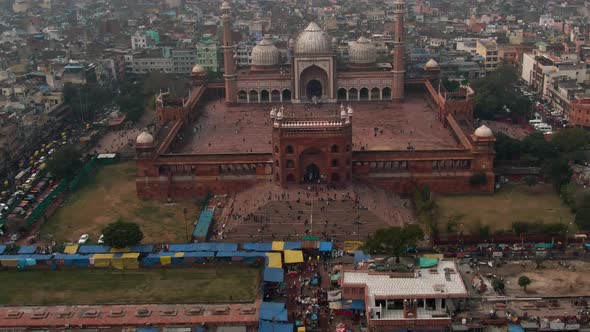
(312, 120)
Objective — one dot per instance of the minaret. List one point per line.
(397, 93)
(228, 55)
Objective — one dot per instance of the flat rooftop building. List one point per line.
(422, 299)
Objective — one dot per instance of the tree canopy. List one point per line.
(65, 161)
(121, 234)
(86, 99)
(523, 282)
(496, 96)
(394, 241)
(583, 219)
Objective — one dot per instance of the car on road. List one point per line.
(83, 239)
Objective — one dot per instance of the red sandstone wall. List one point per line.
(154, 188)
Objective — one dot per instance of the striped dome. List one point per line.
(362, 51)
(265, 53)
(313, 40)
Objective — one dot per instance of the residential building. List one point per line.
(488, 49)
(208, 55)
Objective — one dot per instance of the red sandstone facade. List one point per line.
(315, 149)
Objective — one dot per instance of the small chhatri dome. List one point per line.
(265, 53)
(432, 65)
(312, 40)
(145, 138)
(362, 51)
(483, 132)
(198, 70)
(225, 5)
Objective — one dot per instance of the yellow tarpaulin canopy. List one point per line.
(165, 260)
(179, 254)
(293, 256)
(274, 259)
(278, 245)
(117, 263)
(130, 260)
(432, 256)
(71, 249)
(301, 329)
(126, 249)
(102, 260)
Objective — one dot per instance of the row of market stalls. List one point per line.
(174, 255)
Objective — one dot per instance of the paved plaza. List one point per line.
(376, 126)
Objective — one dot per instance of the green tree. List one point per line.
(121, 234)
(393, 241)
(507, 148)
(570, 140)
(531, 180)
(583, 219)
(523, 282)
(86, 99)
(450, 86)
(568, 195)
(498, 285)
(65, 162)
(539, 148)
(497, 98)
(559, 171)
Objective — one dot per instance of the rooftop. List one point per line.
(429, 282)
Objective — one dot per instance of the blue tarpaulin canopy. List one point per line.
(147, 329)
(265, 326)
(353, 305)
(325, 246)
(199, 254)
(266, 246)
(2, 249)
(427, 262)
(359, 256)
(272, 274)
(27, 250)
(515, 328)
(204, 223)
(292, 245)
(92, 249)
(142, 248)
(205, 246)
(273, 311)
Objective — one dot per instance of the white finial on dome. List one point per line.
(350, 111)
(343, 114)
(280, 114)
(145, 138)
(483, 132)
(273, 113)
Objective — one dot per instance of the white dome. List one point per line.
(265, 53)
(431, 64)
(484, 131)
(362, 51)
(312, 40)
(198, 70)
(225, 5)
(145, 138)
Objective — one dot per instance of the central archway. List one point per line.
(314, 82)
(314, 89)
(312, 173)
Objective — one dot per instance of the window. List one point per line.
(334, 148)
(289, 149)
(334, 162)
(276, 149)
(290, 164)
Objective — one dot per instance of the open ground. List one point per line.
(186, 285)
(511, 203)
(109, 195)
(551, 280)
